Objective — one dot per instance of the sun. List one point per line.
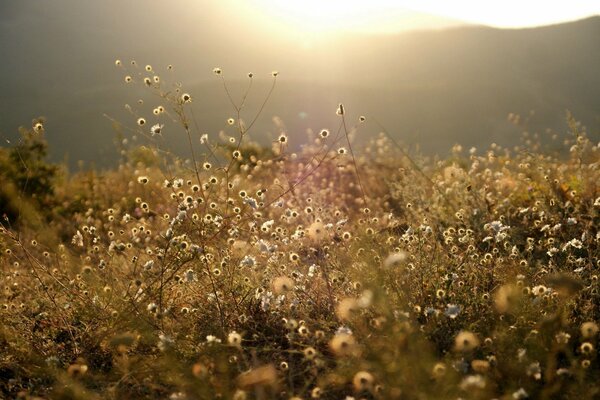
(318, 16)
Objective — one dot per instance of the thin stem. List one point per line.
(354, 160)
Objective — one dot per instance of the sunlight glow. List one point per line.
(313, 16)
(332, 15)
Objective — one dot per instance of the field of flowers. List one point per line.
(326, 272)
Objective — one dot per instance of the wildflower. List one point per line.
(343, 344)
(309, 353)
(282, 285)
(520, 394)
(77, 369)
(148, 68)
(77, 239)
(539, 290)
(465, 341)
(303, 330)
(141, 121)
(480, 366)
(316, 393)
(118, 63)
(38, 127)
(362, 118)
(217, 71)
(342, 151)
(148, 81)
(586, 348)
(363, 380)
(142, 179)
(346, 308)
(156, 129)
(128, 79)
(186, 98)
(290, 324)
(210, 339)
(472, 382)
(251, 202)
(250, 75)
(316, 232)
(248, 261)
(324, 133)
(266, 299)
(282, 138)
(534, 370)
(230, 121)
(439, 370)
(274, 74)
(452, 311)
(148, 265)
(589, 329)
(165, 342)
(340, 109)
(575, 243)
(562, 337)
(234, 339)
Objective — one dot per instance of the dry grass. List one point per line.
(323, 273)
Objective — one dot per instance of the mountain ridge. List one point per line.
(451, 85)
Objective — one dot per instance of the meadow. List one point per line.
(330, 271)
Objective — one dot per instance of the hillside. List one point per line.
(432, 88)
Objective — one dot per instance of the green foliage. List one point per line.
(27, 177)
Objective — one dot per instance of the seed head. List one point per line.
(186, 98)
(282, 285)
(234, 339)
(589, 329)
(465, 341)
(362, 381)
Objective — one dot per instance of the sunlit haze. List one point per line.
(398, 15)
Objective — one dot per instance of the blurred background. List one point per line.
(434, 73)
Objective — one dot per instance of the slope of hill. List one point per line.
(431, 87)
